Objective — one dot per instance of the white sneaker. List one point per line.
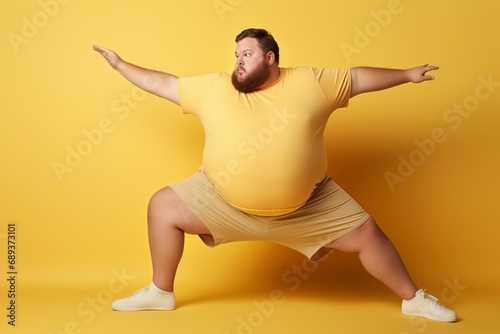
(148, 298)
(425, 305)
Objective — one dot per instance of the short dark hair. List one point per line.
(265, 39)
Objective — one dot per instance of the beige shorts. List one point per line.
(328, 214)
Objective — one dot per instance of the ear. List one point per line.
(270, 57)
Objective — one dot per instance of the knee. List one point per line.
(160, 202)
(158, 198)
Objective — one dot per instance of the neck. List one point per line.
(275, 75)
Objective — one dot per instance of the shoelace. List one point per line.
(431, 298)
(140, 291)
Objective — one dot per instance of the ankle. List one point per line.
(159, 290)
(409, 294)
(163, 284)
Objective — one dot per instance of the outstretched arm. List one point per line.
(155, 82)
(370, 79)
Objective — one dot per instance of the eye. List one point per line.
(247, 54)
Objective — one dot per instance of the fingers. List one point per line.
(427, 68)
(109, 55)
(103, 51)
(106, 53)
(97, 48)
(100, 50)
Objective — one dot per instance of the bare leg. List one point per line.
(168, 219)
(378, 256)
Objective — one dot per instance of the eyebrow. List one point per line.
(246, 50)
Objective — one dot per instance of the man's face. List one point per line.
(251, 70)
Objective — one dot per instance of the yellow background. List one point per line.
(76, 230)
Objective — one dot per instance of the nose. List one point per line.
(239, 60)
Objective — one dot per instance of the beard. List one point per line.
(253, 81)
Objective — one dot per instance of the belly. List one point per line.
(267, 180)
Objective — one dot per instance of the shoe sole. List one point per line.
(428, 316)
(142, 309)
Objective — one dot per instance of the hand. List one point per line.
(113, 59)
(418, 74)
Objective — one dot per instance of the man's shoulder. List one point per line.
(318, 73)
(305, 70)
(298, 69)
(300, 73)
(204, 81)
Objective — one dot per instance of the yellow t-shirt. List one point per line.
(264, 151)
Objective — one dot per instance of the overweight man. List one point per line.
(263, 175)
